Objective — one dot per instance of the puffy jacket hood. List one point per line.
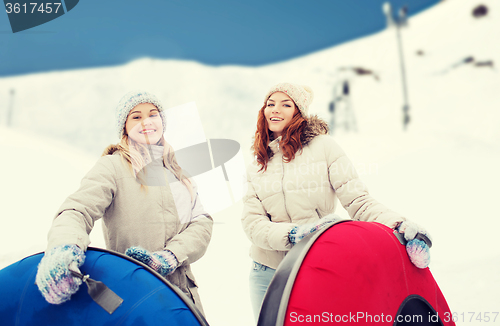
(110, 149)
(315, 127)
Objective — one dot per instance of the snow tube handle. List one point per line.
(100, 293)
(419, 236)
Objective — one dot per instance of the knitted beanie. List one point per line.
(300, 94)
(130, 101)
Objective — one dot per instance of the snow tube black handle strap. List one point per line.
(100, 293)
(424, 238)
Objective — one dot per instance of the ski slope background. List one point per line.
(442, 172)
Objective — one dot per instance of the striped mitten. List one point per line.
(54, 279)
(418, 252)
(299, 232)
(164, 262)
(419, 242)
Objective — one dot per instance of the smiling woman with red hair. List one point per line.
(270, 124)
(293, 185)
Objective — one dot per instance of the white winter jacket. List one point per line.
(303, 191)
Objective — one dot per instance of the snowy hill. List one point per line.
(442, 172)
(39, 174)
(82, 102)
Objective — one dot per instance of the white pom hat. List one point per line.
(302, 95)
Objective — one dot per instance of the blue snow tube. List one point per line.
(148, 299)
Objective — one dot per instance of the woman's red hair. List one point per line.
(290, 142)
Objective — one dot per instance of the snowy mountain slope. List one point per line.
(447, 33)
(442, 172)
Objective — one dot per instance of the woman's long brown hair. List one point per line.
(290, 142)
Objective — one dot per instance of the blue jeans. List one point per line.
(260, 277)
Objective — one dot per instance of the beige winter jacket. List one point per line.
(303, 191)
(153, 217)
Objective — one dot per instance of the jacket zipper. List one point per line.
(283, 187)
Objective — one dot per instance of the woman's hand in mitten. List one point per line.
(412, 230)
(299, 232)
(418, 252)
(54, 278)
(164, 262)
(419, 242)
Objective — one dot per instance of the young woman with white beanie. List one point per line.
(150, 210)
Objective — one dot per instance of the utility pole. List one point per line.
(11, 108)
(401, 21)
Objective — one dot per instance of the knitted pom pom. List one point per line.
(419, 253)
(54, 279)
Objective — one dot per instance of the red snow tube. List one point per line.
(353, 273)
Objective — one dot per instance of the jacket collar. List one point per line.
(315, 127)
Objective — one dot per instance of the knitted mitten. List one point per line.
(54, 279)
(299, 232)
(164, 262)
(412, 230)
(418, 252)
(419, 242)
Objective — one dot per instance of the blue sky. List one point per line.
(102, 33)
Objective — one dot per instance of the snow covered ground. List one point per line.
(442, 172)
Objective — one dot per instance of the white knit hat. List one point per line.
(300, 94)
(130, 101)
